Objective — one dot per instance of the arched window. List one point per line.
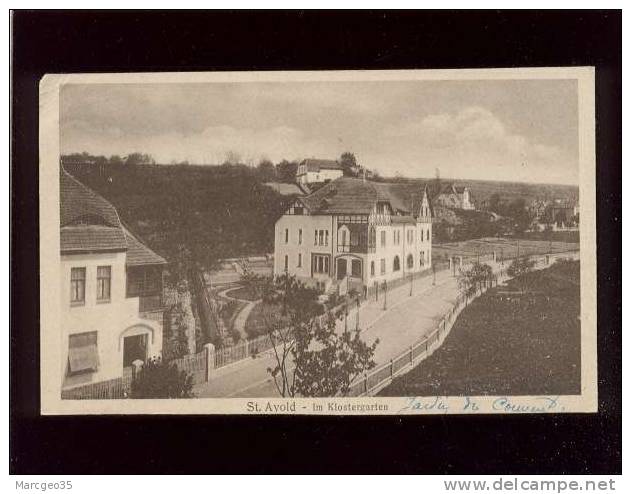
(410, 261)
(422, 233)
(421, 258)
(396, 265)
(372, 239)
(372, 268)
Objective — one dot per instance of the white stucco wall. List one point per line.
(308, 224)
(321, 176)
(311, 223)
(466, 200)
(402, 249)
(330, 175)
(111, 320)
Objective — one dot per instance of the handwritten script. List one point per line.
(467, 404)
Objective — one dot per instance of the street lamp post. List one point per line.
(433, 274)
(385, 295)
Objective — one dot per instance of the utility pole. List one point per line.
(385, 295)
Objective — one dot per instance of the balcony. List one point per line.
(150, 303)
(379, 219)
(355, 249)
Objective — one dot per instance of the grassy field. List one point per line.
(507, 343)
(507, 247)
(569, 237)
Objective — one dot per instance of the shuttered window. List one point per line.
(83, 355)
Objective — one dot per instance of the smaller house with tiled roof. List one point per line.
(110, 290)
(354, 232)
(454, 197)
(313, 170)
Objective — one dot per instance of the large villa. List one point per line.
(355, 232)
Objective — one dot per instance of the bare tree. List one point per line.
(312, 357)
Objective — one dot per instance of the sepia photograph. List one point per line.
(271, 242)
(413, 235)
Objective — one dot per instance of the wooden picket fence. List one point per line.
(195, 364)
(117, 388)
(244, 349)
(378, 378)
(375, 380)
(120, 387)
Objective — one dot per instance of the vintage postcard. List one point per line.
(353, 243)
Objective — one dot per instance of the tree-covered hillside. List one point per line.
(201, 212)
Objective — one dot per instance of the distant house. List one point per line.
(561, 212)
(538, 208)
(316, 170)
(455, 197)
(355, 233)
(110, 290)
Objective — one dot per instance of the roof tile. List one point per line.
(89, 223)
(357, 196)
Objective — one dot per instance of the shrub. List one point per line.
(159, 379)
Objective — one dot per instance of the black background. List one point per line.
(79, 41)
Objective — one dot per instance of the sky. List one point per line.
(515, 130)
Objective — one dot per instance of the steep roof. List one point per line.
(448, 189)
(89, 223)
(403, 219)
(90, 238)
(348, 195)
(138, 254)
(453, 189)
(285, 189)
(79, 204)
(315, 165)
